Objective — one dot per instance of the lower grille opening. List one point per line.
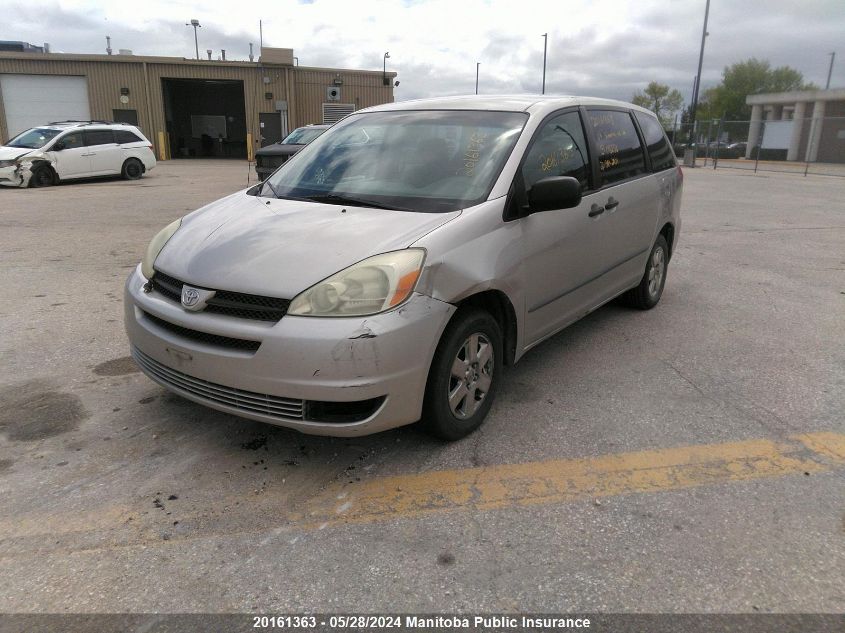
(320, 411)
(248, 402)
(204, 337)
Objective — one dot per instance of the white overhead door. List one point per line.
(31, 100)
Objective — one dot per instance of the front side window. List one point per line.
(620, 152)
(430, 161)
(559, 149)
(99, 137)
(72, 140)
(35, 138)
(656, 142)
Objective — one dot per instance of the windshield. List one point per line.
(34, 138)
(432, 161)
(303, 135)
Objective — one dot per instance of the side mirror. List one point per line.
(555, 192)
(58, 146)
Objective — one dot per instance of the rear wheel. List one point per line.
(132, 169)
(464, 375)
(647, 294)
(42, 176)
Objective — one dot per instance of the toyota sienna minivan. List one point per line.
(388, 271)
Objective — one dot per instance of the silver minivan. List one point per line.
(388, 271)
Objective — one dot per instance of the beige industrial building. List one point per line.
(806, 125)
(187, 108)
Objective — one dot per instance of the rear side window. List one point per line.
(559, 149)
(125, 136)
(98, 137)
(620, 152)
(656, 142)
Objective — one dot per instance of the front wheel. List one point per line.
(464, 375)
(646, 295)
(42, 176)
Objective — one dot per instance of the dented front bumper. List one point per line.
(16, 175)
(337, 360)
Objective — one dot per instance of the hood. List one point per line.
(243, 244)
(279, 149)
(11, 153)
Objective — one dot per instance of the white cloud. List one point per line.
(605, 48)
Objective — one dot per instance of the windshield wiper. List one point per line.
(283, 197)
(333, 198)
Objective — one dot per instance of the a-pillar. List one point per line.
(797, 127)
(754, 129)
(815, 131)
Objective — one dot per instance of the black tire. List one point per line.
(439, 418)
(132, 169)
(42, 176)
(647, 294)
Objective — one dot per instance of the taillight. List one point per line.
(680, 173)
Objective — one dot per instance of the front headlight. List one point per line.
(368, 287)
(156, 245)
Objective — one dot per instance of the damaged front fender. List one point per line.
(20, 172)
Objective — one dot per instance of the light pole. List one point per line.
(704, 35)
(545, 43)
(477, 64)
(830, 70)
(195, 23)
(384, 70)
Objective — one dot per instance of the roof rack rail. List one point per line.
(86, 122)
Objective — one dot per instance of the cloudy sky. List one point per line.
(604, 48)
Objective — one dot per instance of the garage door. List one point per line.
(31, 100)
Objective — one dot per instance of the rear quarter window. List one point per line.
(125, 136)
(620, 151)
(659, 149)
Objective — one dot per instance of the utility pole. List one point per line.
(477, 64)
(260, 37)
(545, 44)
(196, 24)
(704, 35)
(830, 70)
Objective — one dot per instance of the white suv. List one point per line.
(45, 155)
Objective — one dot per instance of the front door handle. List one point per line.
(595, 210)
(612, 203)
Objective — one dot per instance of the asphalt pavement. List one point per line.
(686, 459)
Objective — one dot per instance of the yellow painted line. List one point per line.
(488, 488)
(562, 481)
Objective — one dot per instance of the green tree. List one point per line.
(661, 100)
(752, 76)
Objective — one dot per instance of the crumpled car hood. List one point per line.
(11, 153)
(244, 244)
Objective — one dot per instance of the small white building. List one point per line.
(808, 124)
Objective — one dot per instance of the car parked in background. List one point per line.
(268, 159)
(52, 153)
(389, 272)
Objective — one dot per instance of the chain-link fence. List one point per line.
(814, 145)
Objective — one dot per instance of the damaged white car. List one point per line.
(48, 154)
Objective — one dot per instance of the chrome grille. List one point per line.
(237, 304)
(247, 401)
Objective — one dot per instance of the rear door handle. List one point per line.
(595, 210)
(612, 203)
